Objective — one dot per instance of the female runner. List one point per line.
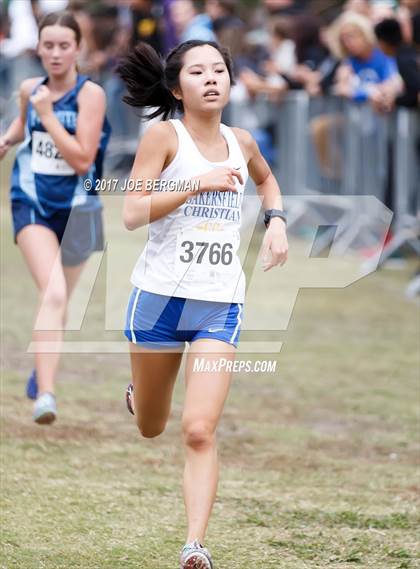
(188, 282)
(65, 132)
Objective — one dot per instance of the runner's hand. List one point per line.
(42, 101)
(275, 245)
(4, 146)
(219, 180)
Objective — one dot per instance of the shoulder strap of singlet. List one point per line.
(233, 141)
(81, 80)
(180, 128)
(39, 83)
(184, 138)
(188, 143)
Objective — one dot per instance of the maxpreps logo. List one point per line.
(205, 365)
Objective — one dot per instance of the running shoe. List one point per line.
(32, 386)
(45, 409)
(195, 556)
(128, 397)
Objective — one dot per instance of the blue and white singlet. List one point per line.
(40, 176)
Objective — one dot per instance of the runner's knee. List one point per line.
(150, 431)
(198, 433)
(54, 299)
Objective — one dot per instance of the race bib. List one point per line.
(206, 254)
(46, 158)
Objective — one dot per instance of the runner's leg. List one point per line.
(47, 272)
(206, 393)
(154, 375)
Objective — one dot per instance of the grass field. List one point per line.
(319, 461)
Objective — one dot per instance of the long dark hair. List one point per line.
(307, 29)
(149, 79)
(65, 19)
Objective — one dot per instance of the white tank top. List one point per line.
(192, 251)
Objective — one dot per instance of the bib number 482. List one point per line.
(48, 149)
(46, 158)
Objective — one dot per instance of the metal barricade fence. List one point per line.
(323, 146)
(332, 147)
(407, 165)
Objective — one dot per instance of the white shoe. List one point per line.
(195, 556)
(45, 409)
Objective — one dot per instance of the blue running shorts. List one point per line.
(79, 234)
(160, 321)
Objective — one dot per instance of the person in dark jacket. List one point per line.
(391, 42)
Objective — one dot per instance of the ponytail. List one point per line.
(150, 81)
(143, 72)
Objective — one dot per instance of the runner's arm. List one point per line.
(266, 184)
(16, 131)
(78, 150)
(274, 248)
(144, 206)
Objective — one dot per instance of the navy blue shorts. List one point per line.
(79, 234)
(159, 321)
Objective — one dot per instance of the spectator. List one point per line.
(390, 39)
(145, 24)
(359, 6)
(88, 45)
(284, 7)
(42, 7)
(282, 47)
(409, 17)
(310, 51)
(365, 67)
(227, 25)
(265, 78)
(23, 34)
(412, 5)
(106, 32)
(189, 24)
(18, 52)
(312, 68)
(366, 74)
(316, 67)
(168, 32)
(253, 55)
(223, 15)
(100, 26)
(381, 10)
(251, 68)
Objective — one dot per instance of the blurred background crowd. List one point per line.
(330, 89)
(360, 49)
